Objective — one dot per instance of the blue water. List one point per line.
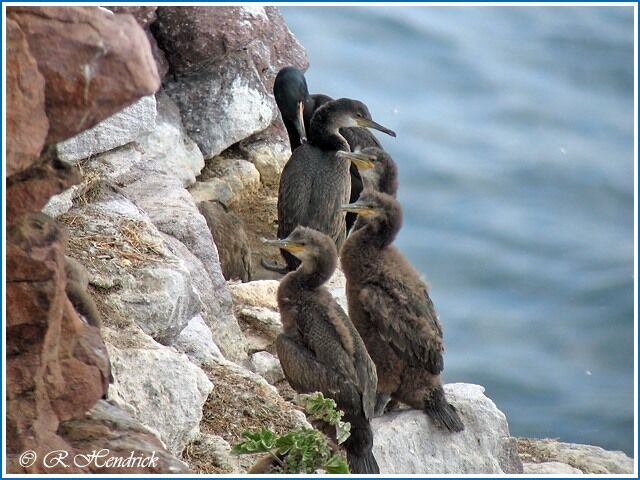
(515, 149)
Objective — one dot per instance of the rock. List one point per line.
(61, 203)
(57, 367)
(212, 454)
(214, 189)
(586, 458)
(549, 468)
(222, 102)
(217, 311)
(231, 240)
(267, 366)
(115, 131)
(407, 442)
(223, 31)
(126, 257)
(108, 427)
(27, 123)
(197, 343)
(94, 63)
(269, 151)
(262, 319)
(241, 176)
(260, 293)
(165, 390)
(30, 190)
(144, 15)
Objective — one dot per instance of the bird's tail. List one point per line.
(359, 448)
(442, 412)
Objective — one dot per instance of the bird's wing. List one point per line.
(407, 320)
(294, 194)
(307, 374)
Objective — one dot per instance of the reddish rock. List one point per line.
(27, 123)
(94, 63)
(30, 190)
(192, 36)
(144, 15)
(46, 381)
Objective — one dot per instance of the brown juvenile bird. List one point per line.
(230, 239)
(76, 289)
(390, 306)
(320, 349)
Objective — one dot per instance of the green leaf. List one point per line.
(336, 464)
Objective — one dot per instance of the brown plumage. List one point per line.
(390, 306)
(320, 349)
(230, 239)
(77, 291)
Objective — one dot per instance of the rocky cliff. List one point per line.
(124, 126)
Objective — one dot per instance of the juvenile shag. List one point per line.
(230, 239)
(383, 177)
(390, 306)
(320, 349)
(315, 181)
(76, 288)
(297, 108)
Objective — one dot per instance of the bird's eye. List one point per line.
(359, 115)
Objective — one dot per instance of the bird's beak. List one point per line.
(361, 208)
(365, 122)
(299, 123)
(363, 161)
(285, 244)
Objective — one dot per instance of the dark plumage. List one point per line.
(315, 181)
(230, 239)
(390, 306)
(383, 177)
(319, 349)
(76, 289)
(297, 108)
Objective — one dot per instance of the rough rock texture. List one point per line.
(267, 366)
(106, 426)
(57, 366)
(549, 468)
(30, 190)
(27, 122)
(269, 151)
(165, 390)
(586, 458)
(197, 343)
(222, 102)
(241, 177)
(194, 35)
(119, 129)
(101, 63)
(400, 444)
(212, 454)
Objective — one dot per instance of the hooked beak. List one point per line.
(365, 122)
(364, 161)
(361, 208)
(285, 244)
(299, 123)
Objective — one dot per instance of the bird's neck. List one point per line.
(324, 133)
(376, 233)
(309, 277)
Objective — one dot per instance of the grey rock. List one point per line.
(213, 189)
(222, 102)
(217, 308)
(260, 293)
(550, 468)
(164, 390)
(267, 366)
(586, 458)
(241, 176)
(407, 442)
(197, 342)
(61, 203)
(117, 130)
(269, 151)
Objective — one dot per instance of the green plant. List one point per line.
(305, 450)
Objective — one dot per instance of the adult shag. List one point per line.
(315, 181)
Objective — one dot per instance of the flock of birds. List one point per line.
(337, 196)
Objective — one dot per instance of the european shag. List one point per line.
(315, 181)
(390, 306)
(320, 349)
(297, 107)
